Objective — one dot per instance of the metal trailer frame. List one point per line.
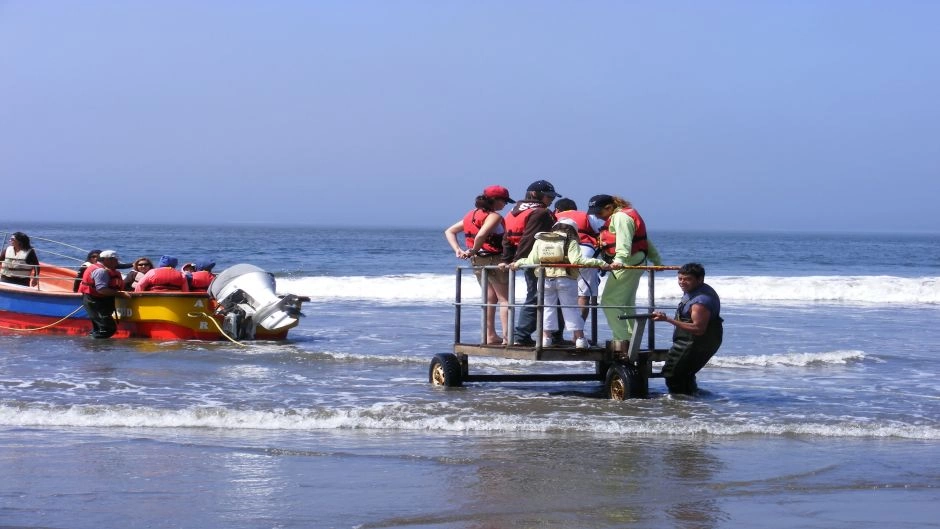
(624, 367)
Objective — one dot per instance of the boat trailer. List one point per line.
(624, 367)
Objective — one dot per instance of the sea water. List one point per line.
(820, 410)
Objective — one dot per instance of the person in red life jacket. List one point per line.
(589, 228)
(20, 265)
(164, 278)
(528, 217)
(624, 242)
(483, 228)
(199, 279)
(101, 283)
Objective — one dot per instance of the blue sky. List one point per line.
(707, 115)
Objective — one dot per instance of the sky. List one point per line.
(721, 115)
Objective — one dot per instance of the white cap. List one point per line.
(107, 254)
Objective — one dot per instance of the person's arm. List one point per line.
(700, 317)
(530, 259)
(652, 253)
(32, 259)
(576, 257)
(185, 286)
(451, 235)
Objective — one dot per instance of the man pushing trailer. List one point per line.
(698, 330)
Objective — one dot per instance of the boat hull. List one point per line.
(54, 309)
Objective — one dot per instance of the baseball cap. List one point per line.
(498, 192)
(566, 222)
(108, 254)
(598, 202)
(543, 186)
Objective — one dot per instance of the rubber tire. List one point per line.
(624, 382)
(445, 371)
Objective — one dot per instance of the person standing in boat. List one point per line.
(101, 283)
(483, 228)
(20, 265)
(624, 242)
(164, 278)
(90, 259)
(698, 330)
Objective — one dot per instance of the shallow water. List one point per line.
(820, 410)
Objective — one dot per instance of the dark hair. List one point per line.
(485, 203)
(143, 260)
(23, 239)
(565, 204)
(93, 253)
(693, 269)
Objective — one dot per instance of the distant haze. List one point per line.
(719, 115)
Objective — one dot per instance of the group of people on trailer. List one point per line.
(100, 281)
(610, 236)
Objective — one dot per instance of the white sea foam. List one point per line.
(787, 359)
(437, 288)
(442, 417)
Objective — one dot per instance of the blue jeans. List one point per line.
(525, 324)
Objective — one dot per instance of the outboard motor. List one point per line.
(247, 298)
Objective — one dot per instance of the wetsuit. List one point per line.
(690, 353)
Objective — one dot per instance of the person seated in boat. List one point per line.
(90, 259)
(100, 285)
(200, 278)
(20, 265)
(139, 269)
(164, 278)
(698, 330)
(561, 246)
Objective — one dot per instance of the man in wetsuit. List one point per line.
(698, 330)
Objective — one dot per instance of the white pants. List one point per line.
(564, 290)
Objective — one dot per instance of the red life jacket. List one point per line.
(200, 280)
(609, 240)
(115, 281)
(167, 279)
(472, 222)
(515, 225)
(586, 234)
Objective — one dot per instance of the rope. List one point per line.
(80, 307)
(214, 322)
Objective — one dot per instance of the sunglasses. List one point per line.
(144, 264)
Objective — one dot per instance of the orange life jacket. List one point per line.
(609, 240)
(586, 234)
(472, 222)
(115, 281)
(166, 279)
(200, 280)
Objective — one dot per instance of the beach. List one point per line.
(820, 410)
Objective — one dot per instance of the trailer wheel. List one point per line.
(624, 382)
(445, 371)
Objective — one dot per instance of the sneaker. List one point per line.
(581, 343)
(524, 341)
(547, 341)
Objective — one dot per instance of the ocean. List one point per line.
(822, 408)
